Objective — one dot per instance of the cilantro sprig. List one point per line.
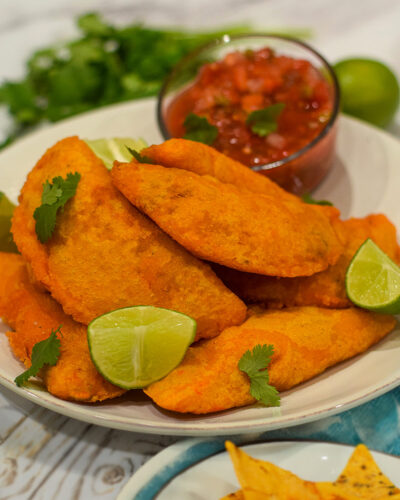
(45, 352)
(307, 198)
(55, 195)
(199, 129)
(265, 121)
(255, 364)
(138, 157)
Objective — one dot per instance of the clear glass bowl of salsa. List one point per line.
(272, 102)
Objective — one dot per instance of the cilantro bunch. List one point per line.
(105, 65)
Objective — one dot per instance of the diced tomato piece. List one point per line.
(251, 102)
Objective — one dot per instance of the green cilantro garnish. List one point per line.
(45, 352)
(114, 64)
(54, 197)
(199, 129)
(138, 157)
(254, 364)
(307, 198)
(264, 121)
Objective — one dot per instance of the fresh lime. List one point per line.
(109, 150)
(370, 90)
(373, 280)
(6, 210)
(135, 346)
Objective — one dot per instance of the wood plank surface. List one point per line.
(44, 455)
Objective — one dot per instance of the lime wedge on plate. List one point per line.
(135, 346)
(109, 150)
(6, 211)
(373, 280)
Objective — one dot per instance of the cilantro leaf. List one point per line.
(68, 186)
(50, 193)
(45, 352)
(54, 197)
(199, 129)
(138, 157)
(264, 121)
(307, 198)
(92, 25)
(262, 391)
(254, 364)
(45, 217)
(259, 359)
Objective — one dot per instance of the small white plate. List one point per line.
(199, 469)
(365, 179)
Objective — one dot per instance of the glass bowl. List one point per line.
(299, 172)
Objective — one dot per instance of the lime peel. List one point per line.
(135, 346)
(6, 211)
(117, 148)
(373, 280)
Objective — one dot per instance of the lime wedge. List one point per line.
(109, 150)
(373, 280)
(135, 346)
(6, 210)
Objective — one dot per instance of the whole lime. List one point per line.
(369, 90)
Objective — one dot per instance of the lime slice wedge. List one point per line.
(373, 280)
(135, 346)
(109, 150)
(6, 210)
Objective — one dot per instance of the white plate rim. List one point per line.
(157, 472)
(88, 414)
(195, 428)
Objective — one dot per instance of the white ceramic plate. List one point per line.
(365, 179)
(199, 469)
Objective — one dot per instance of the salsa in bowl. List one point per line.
(269, 102)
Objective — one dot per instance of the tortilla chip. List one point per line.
(361, 478)
(260, 480)
(249, 494)
(259, 477)
(238, 495)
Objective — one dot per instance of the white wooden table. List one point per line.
(44, 455)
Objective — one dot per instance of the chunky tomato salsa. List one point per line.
(264, 106)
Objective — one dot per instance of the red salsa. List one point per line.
(228, 91)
